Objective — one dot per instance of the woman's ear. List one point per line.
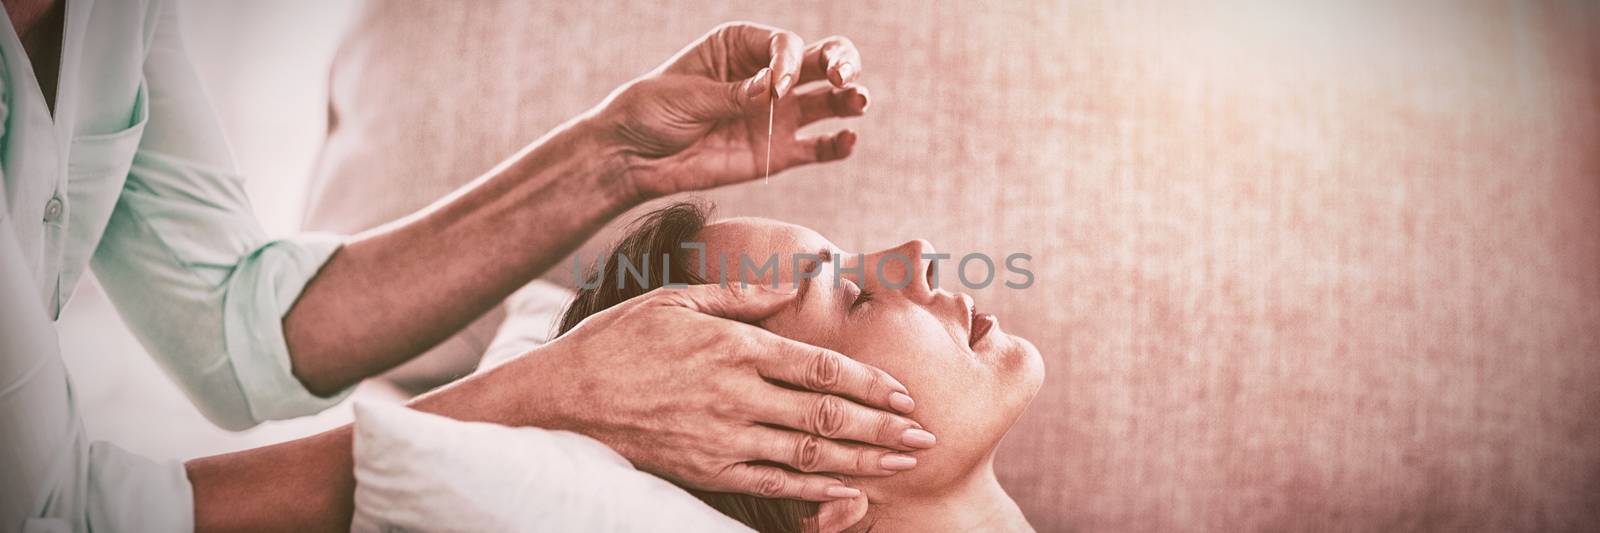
(837, 515)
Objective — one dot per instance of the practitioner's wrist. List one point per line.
(582, 152)
(511, 394)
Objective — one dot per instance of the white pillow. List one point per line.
(422, 472)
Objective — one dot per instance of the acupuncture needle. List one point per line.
(772, 107)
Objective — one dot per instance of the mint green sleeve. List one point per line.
(188, 266)
(191, 272)
(52, 476)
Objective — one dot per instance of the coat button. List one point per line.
(52, 210)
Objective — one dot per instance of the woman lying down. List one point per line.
(972, 379)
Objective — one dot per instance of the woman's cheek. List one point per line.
(905, 345)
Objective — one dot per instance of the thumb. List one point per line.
(732, 301)
(710, 100)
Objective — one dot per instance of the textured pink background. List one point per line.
(1298, 267)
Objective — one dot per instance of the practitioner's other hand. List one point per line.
(700, 120)
(681, 384)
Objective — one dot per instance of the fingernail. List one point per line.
(897, 461)
(783, 84)
(845, 70)
(841, 491)
(845, 141)
(901, 402)
(756, 85)
(917, 438)
(895, 383)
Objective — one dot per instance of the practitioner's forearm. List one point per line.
(394, 292)
(302, 485)
(309, 484)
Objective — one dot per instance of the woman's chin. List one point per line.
(1015, 357)
(1029, 364)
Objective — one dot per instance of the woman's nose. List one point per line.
(906, 268)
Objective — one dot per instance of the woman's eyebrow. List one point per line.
(823, 256)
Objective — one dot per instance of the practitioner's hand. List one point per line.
(700, 120)
(678, 382)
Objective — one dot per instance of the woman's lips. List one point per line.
(978, 324)
(982, 323)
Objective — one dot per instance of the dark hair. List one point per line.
(649, 239)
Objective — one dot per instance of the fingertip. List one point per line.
(761, 293)
(732, 300)
(902, 402)
(835, 61)
(897, 462)
(842, 74)
(841, 492)
(785, 53)
(783, 86)
(757, 85)
(895, 384)
(862, 99)
(848, 102)
(918, 438)
(781, 289)
(844, 144)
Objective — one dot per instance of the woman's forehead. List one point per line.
(759, 239)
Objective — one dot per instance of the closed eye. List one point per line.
(862, 296)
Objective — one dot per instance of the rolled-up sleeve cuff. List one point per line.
(259, 293)
(132, 493)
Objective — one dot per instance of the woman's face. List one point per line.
(968, 393)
